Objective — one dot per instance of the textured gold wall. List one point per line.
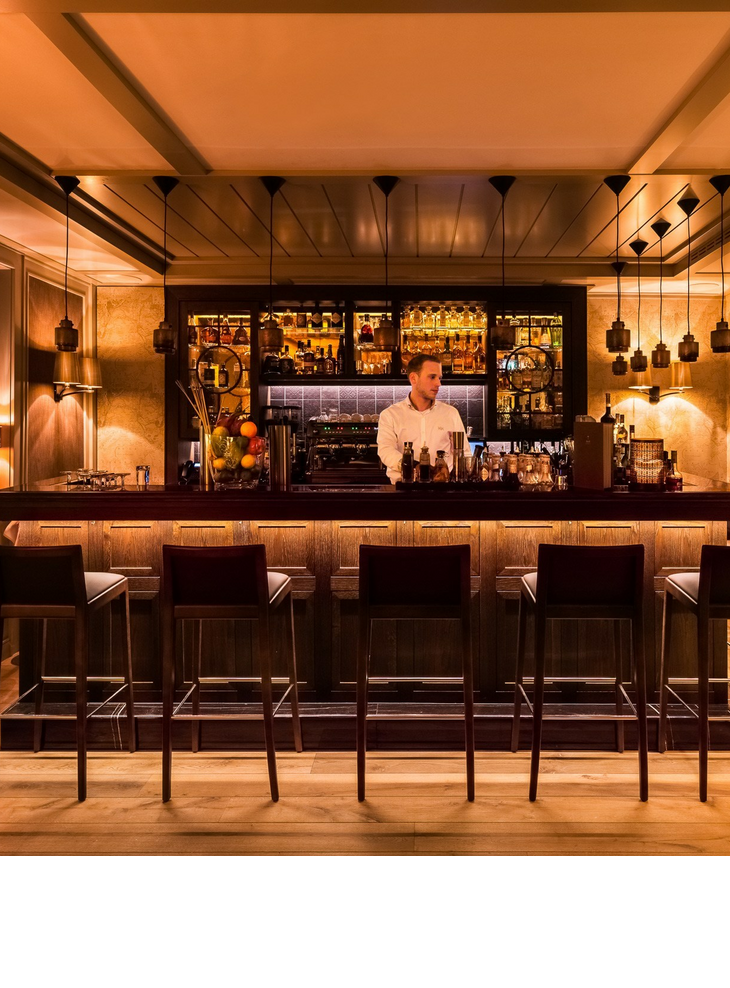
(131, 405)
(695, 423)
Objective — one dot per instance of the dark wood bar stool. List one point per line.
(44, 583)
(420, 583)
(226, 583)
(707, 595)
(578, 583)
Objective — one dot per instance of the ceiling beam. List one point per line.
(706, 97)
(83, 52)
(48, 199)
(361, 6)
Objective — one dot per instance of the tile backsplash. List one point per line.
(314, 401)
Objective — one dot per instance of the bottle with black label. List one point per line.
(407, 464)
(308, 358)
(301, 320)
(607, 417)
(286, 362)
(299, 358)
(424, 466)
(330, 365)
(223, 376)
(341, 356)
(319, 361)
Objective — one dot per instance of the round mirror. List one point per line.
(529, 369)
(219, 369)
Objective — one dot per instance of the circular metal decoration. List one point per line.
(529, 369)
(219, 369)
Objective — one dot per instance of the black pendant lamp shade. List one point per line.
(619, 367)
(618, 338)
(66, 335)
(689, 348)
(502, 183)
(271, 334)
(660, 355)
(639, 362)
(385, 336)
(163, 338)
(720, 336)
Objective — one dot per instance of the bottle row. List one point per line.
(510, 471)
(465, 356)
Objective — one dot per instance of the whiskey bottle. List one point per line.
(287, 320)
(366, 331)
(446, 357)
(424, 466)
(405, 354)
(457, 359)
(286, 363)
(341, 356)
(480, 357)
(309, 359)
(299, 358)
(407, 464)
(405, 318)
(468, 356)
(226, 335)
(330, 364)
(442, 320)
(319, 361)
(301, 320)
(674, 480)
(416, 318)
(440, 468)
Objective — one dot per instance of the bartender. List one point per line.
(419, 419)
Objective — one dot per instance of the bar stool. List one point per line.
(420, 583)
(707, 595)
(42, 583)
(224, 583)
(579, 583)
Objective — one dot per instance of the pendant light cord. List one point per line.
(164, 262)
(65, 269)
(618, 273)
(689, 252)
(661, 271)
(722, 250)
(271, 257)
(638, 308)
(386, 255)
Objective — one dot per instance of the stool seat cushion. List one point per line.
(277, 581)
(99, 583)
(530, 582)
(687, 582)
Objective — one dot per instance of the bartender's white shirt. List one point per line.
(402, 422)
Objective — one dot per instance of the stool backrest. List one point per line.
(603, 580)
(219, 576)
(715, 576)
(435, 577)
(42, 576)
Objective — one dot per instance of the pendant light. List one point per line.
(163, 338)
(689, 348)
(271, 335)
(639, 362)
(618, 338)
(502, 183)
(720, 336)
(384, 334)
(660, 356)
(66, 336)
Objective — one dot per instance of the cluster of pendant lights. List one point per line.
(618, 338)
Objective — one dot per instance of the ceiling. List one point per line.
(330, 94)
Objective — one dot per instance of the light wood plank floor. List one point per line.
(588, 804)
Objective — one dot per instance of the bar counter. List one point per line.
(313, 535)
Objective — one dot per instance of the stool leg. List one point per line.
(468, 670)
(81, 657)
(703, 655)
(169, 628)
(292, 660)
(197, 670)
(637, 649)
(664, 669)
(363, 662)
(128, 675)
(519, 673)
(39, 728)
(264, 650)
(540, 624)
(619, 681)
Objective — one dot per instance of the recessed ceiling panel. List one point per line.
(52, 111)
(330, 92)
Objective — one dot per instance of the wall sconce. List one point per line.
(681, 380)
(74, 376)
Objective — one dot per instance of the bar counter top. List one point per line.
(700, 500)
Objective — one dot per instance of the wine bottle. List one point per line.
(607, 417)
(341, 356)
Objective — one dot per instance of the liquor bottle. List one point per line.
(480, 357)
(407, 464)
(287, 320)
(319, 361)
(336, 319)
(211, 334)
(286, 363)
(621, 435)
(341, 356)
(556, 331)
(666, 464)
(468, 356)
(405, 354)
(240, 337)
(272, 364)
(479, 320)
(299, 358)
(467, 319)
(607, 417)
(424, 466)
(226, 337)
(309, 359)
(674, 480)
(440, 468)
(436, 348)
(193, 337)
(426, 346)
(405, 318)
(446, 357)
(544, 334)
(301, 320)
(325, 321)
(558, 372)
(429, 318)
(416, 317)
(330, 364)
(317, 318)
(454, 317)
(222, 376)
(457, 358)
(442, 319)
(366, 332)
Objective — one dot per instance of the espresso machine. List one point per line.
(344, 452)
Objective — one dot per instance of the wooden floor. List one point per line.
(416, 804)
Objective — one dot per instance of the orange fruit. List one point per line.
(219, 463)
(249, 429)
(248, 461)
(220, 430)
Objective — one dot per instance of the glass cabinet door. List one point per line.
(218, 358)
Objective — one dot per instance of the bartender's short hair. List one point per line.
(415, 364)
